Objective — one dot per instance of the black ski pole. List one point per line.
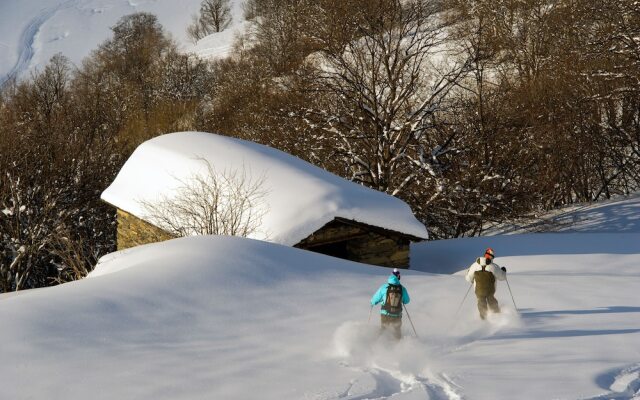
(509, 286)
(511, 293)
(409, 316)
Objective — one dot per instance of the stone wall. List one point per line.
(132, 231)
(345, 239)
(360, 243)
(379, 250)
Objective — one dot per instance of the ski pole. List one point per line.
(463, 299)
(509, 286)
(409, 316)
(370, 310)
(455, 317)
(511, 293)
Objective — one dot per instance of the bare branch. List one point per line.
(230, 202)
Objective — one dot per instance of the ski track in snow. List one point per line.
(621, 383)
(363, 355)
(386, 386)
(390, 383)
(382, 375)
(27, 39)
(624, 384)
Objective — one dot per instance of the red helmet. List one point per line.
(489, 253)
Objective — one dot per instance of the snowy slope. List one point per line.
(300, 198)
(32, 31)
(616, 215)
(232, 318)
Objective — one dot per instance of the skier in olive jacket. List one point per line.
(483, 274)
(392, 295)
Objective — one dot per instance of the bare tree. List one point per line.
(226, 203)
(73, 261)
(215, 16)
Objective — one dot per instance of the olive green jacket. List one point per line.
(484, 284)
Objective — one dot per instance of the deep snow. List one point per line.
(232, 318)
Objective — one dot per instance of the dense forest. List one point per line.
(473, 112)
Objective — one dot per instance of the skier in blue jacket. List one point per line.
(392, 295)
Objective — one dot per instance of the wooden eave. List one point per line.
(360, 229)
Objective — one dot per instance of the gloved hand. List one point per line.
(504, 269)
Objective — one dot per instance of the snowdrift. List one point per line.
(203, 317)
(231, 318)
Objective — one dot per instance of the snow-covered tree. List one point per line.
(382, 90)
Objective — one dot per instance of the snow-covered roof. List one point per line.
(300, 198)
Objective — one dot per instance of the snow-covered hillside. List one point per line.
(616, 215)
(31, 31)
(586, 229)
(232, 318)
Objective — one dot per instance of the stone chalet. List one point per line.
(308, 207)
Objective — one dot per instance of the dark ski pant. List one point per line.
(392, 324)
(486, 302)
